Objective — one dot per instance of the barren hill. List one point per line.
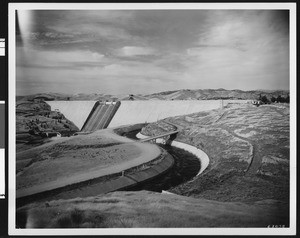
(183, 94)
(213, 94)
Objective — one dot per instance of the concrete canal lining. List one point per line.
(200, 154)
(134, 173)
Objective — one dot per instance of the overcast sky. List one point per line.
(147, 51)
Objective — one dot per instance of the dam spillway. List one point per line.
(94, 115)
(100, 116)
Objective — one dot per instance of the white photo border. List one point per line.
(13, 7)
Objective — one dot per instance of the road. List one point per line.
(147, 153)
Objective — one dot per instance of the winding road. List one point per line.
(148, 152)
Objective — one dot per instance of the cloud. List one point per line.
(42, 58)
(135, 51)
(243, 30)
(154, 50)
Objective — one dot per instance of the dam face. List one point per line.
(94, 115)
(75, 111)
(133, 112)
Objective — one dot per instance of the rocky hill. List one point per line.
(35, 123)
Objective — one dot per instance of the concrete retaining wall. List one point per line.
(129, 179)
(135, 178)
(201, 155)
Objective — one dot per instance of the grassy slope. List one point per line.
(248, 149)
(148, 209)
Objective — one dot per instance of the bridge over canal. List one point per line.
(168, 136)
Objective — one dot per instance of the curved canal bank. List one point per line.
(186, 166)
(122, 179)
(201, 155)
(163, 172)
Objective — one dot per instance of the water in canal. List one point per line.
(186, 166)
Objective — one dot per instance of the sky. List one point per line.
(147, 51)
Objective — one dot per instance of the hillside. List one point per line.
(184, 94)
(245, 185)
(248, 148)
(214, 94)
(145, 209)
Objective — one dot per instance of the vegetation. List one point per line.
(279, 99)
(146, 209)
(185, 94)
(248, 149)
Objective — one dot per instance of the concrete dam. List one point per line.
(94, 115)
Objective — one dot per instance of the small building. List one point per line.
(256, 102)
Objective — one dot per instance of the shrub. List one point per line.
(273, 99)
(77, 216)
(21, 218)
(265, 100)
(287, 99)
(280, 99)
(64, 221)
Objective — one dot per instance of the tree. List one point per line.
(287, 99)
(273, 99)
(279, 98)
(264, 99)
